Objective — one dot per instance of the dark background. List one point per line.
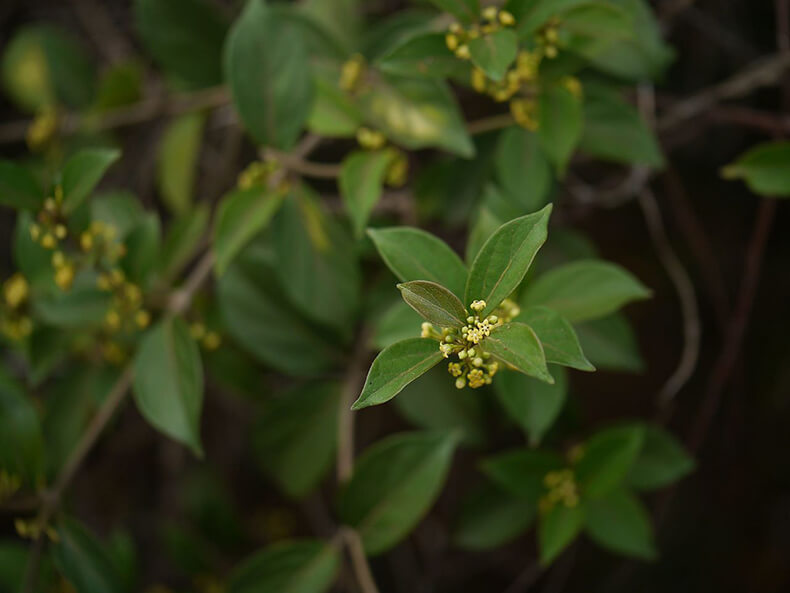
(725, 528)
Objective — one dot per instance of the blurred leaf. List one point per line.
(184, 37)
(661, 461)
(268, 71)
(413, 254)
(18, 187)
(610, 344)
(21, 443)
(614, 130)
(522, 169)
(423, 55)
(417, 113)
(517, 345)
(342, 18)
(83, 307)
(82, 173)
(120, 209)
(434, 303)
(120, 85)
(182, 241)
(533, 404)
(395, 367)
(490, 518)
(397, 323)
(84, 560)
(381, 37)
(433, 402)
(361, 183)
(241, 215)
(333, 113)
(177, 161)
(505, 258)
(521, 471)
(620, 523)
(298, 566)
(296, 434)
(583, 290)
(494, 53)
(560, 125)
(557, 529)
(467, 11)
(395, 482)
(33, 261)
(168, 382)
(316, 263)
(530, 15)
(143, 245)
(263, 323)
(557, 337)
(764, 168)
(607, 458)
(485, 224)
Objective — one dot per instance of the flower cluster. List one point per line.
(471, 364)
(50, 226)
(562, 489)
(493, 19)
(209, 339)
(259, 173)
(398, 168)
(16, 323)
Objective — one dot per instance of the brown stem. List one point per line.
(489, 124)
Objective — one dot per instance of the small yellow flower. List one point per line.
(477, 306)
(60, 231)
(212, 340)
(64, 276)
(15, 290)
(463, 52)
(478, 80)
(506, 18)
(112, 319)
(351, 73)
(48, 241)
(142, 318)
(370, 139)
(490, 13)
(452, 41)
(86, 241)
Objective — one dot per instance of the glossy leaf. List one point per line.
(494, 53)
(423, 54)
(557, 529)
(267, 69)
(434, 303)
(583, 290)
(143, 244)
(490, 518)
(82, 173)
(556, 335)
(241, 215)
(413, 254)
(505, 258)
(394, 484)
(84, 560)
(395, 367)
(297, 566)
(177, 161)
(522, 169)
(661, 461)
(764, 168)
(606, 459)
(168, 382)
(361, 183)
(183, 238)
(521, 471)
(517, 345)
(620, 523)
(560, 124)
(610, 344)
(21, 443)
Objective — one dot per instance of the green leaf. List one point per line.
(342, 19)
(557, 529)
(121, 84)
(395, 367)
(521, 471)
(143, 244)
(661, 461)
(184, 37)
(607, 457)
(424, 55)
(615, 131)
(620, 523)
(241, 215)
(417, 113)
(18, 187)
(168, 382)
(361, 183)
(182, 240)
(494, 53)
(556, 335)
(120, 209)
(82, 173)
(432, 402)
(21, 443)
(583, 290)
(505, 258)
(560, 124)
(413, 254)
(177, 161)
(534, 405)
(267, 69)
(517, 345)
(84, 560)
(434, 303)
(532, 14)
(610, 344)
(522, 169)
(490, 518)
(264, 323)
(298, 566)
(467, 11)
(394, 484)
(83, 307)
(397, 323)
(333, 114)
(316, 262)
(765, 169)
(295, 437)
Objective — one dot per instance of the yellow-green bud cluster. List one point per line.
(126, 312)
(9, 484)
(33, 529)
(561, 489)
(42, 130)
(50, 226)
(547, 38)
(370, 139)
(352, 74)
(208, 339)
(522, 74)
(257, 174)
(397, 171)
(16, 323)
(492, 19)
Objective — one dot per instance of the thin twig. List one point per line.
(303, 167)
(489, 124)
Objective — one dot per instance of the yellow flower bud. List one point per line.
(48, 241)
(478, 80)
(112, 319)
(142, 318)
(212, 341)
(490, 13)
(506, 18)
(15, 290)
(35, 231)
(463, 52)
(64, 276)
(58, 259)
(86, 241)
(351, 73)
(60, 231)
(451, 41)
(198, 330)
